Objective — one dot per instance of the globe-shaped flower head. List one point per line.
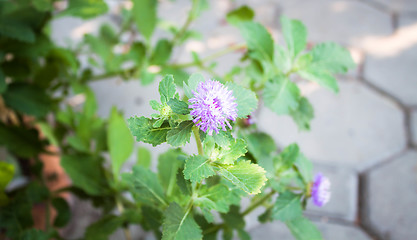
(320, 191)
(213, 106)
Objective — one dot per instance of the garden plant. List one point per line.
(187, 196)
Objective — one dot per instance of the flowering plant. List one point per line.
(191, 196)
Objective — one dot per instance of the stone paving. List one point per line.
(364, 139)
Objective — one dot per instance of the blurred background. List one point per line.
(364, 138)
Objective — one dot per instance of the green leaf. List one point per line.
(198, 168)
(146, 186)
(6, 174)
(288, 156)
(295, 34)
(193, 82)
(85, 9)
(103, 228)
(303, 229)
(168, 165)
(229, 154)
(281, 95)
(167, 88)
(223, 138)
(246, 100)
(322, 77)
(80, 169)
(214, 198)
(178, 106)
(142, 129)
(34, 234)
(305, 167)
(181, 134)
(261, 146)
(27, 99)
(183, 184)
(3, 84)
(16, 30)
(63, 210)
(258, 40)
(243, 235)
(332, 57)
(42, 5)
(245, 175)
(119, 140)
(287, 207)
(241, 14)
(144, 157)
(145, 15)
(179, 225)
(161, 53)
(234, 218)
(21, 141)
(303, 115)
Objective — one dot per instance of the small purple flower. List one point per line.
(320, 191)
(213, 105)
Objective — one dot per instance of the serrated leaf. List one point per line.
(144, 157)
(167, 88)
(103, 228)
(119, 140)
(168, 165)
(181, 134)
(158, 136)
(229, 154)
(281, 95)
(303, 115)
(246, 100)
(179, 225)
(192, 84)
(183, 184)
(214, 198)
(241, 14)
(146, 186)
(223, 138)
(142, 129)
(245, 175)
(178, 106)
(303, 229)
(287, 207)
(258, 40)
(198, 168)
(145, 15)
(331, 57)
(158, 123)
(85, 8)
(161, 53)
(155, 105)
(288, 156)
(295, 34)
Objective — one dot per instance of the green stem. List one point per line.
(257, 203)
(198, 141)
(121, 210)
(187, 23)
(213, 228)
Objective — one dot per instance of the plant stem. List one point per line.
(257, 203)
(198, 141)
(121, 209)
(187, 23)
(213, 229)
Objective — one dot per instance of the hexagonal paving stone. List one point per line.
(344, 187)
(399, 5)
(391, 198)
(413, 123)
(278, 230)
(356, 127)
(347, 22)
(391, 62)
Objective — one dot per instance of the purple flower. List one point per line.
(320, 191)
(213, 105)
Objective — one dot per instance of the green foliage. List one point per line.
(144, 14)
(245, 175)
(145, 185)
(45, 99)
(179, 225)
(119, 140)
(304, 229)
(198, 168)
